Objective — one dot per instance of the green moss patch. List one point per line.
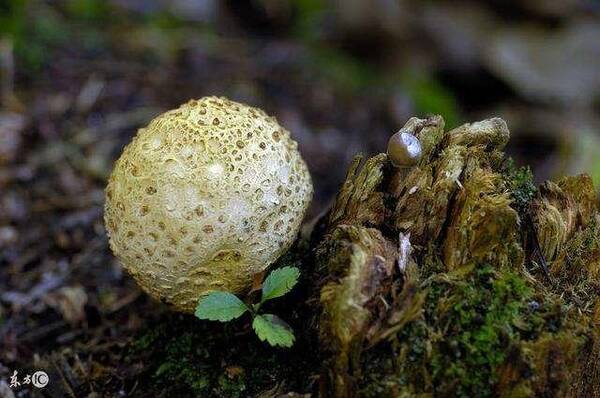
(477, 332)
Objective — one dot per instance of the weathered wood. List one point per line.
(433, 266)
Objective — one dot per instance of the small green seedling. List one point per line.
(225, 306)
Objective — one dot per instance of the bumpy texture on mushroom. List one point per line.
(203, 198)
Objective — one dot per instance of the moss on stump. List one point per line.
(458, 277)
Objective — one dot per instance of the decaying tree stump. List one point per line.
(458, 277)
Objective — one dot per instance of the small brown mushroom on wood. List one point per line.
(404, 149)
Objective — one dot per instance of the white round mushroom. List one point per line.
(203, 198)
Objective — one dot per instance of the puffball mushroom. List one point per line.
(203, 198)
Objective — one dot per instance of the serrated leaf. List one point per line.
(220, 306)
(279, 282)
(274, 330)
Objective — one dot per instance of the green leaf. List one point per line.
(279, 282)
(220, 306)
(274, 330)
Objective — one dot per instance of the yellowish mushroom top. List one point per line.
(203, 198)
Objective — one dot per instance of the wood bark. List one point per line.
(459, 265)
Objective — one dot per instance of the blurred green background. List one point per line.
(341, 75)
